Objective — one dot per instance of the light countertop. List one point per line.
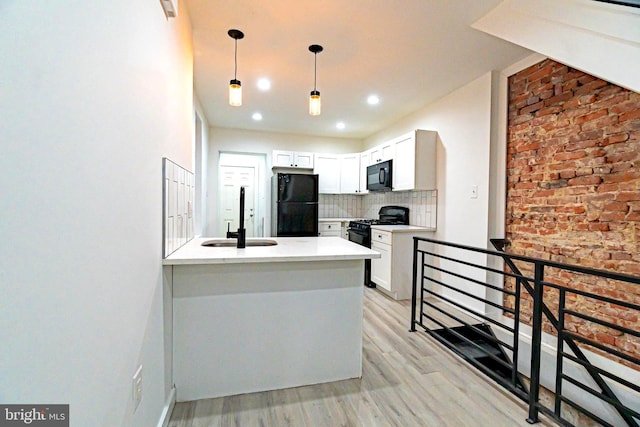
(336, 219)
(288, 249)
(401, 228)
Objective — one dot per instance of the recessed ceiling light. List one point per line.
(373, 100)
(257, 117)
(340, 125)
(264, 84)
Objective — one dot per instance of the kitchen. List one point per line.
(82, 150)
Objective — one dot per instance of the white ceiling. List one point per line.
(408, 52)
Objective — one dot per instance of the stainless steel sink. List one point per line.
(230, 243)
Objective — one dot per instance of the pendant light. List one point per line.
(314, 98)
(235, 87)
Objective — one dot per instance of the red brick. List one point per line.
(620, 177)
(591, 116)
(548, 110)
(531, 108)
(600, 123)
(633, 216)
(616, 138)
(571, 209)
(527, 147)
(628, 196)
(540, 74)
(616, 206)
(572, 155)
(622, 157)
(581, 145)
(612, 216)
(589, 87)
(631, 115)
(558, 99)
(585, 180)
(598, 226)
(622, 105)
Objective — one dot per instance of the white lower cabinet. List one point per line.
(381, 267)
(329, 229)
(393, 272)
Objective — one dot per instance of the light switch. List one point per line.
(474, 192)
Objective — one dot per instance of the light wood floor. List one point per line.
(408, 379)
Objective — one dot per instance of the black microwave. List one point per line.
(379, 176)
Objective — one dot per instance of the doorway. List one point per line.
(235, 171)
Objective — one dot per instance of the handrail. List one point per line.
(499, 244)
(535, 287)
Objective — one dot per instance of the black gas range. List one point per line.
(360, 231)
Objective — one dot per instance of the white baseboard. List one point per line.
(168, 409)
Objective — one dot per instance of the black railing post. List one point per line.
(536, 343)
(559, 365)
(516, 333)
(415, 285)
(422, 255)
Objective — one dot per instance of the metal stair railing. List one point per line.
(500, 244)
(535, 287)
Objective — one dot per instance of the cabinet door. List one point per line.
(327, 166)
(387, 151)
(350, 173)
(283, 159)
(381, 153)
(365, 158)
(329, 229)
(404, 163)
(303, 160)
(381, 267)
(375, 155)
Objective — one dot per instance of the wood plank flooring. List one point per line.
(408, 379)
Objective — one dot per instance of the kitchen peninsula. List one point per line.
(265, 317)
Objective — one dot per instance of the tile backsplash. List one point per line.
(422, 205)
(178, 196)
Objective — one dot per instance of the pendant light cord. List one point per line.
(235, 60)
(315, 70)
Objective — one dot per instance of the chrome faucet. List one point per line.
(241, 234)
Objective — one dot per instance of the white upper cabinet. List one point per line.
(365, 158)
(414, 162)
(381, 153)
(292, 159)
(350, 173)
(327, 166)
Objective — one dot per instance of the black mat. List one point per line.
(481, 351)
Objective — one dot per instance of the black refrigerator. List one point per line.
(295, 205)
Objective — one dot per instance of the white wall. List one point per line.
(93, 95)
(463, 122)
(245, 141)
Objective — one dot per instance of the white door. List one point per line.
(231, 179)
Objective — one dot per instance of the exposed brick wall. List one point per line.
(573, 185)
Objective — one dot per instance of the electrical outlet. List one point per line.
(474, 192)
(137, 388)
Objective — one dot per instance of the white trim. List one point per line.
(168, 408)
(597, 38)
(522, 64)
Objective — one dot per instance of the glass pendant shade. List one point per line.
(314, 98)
(314, 103)
(235, 93)
(235, 88)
